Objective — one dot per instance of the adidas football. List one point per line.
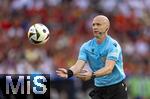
(38, 34)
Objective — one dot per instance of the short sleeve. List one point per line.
(113, 53)
(82, 53)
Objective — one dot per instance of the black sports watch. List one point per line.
(93, 75)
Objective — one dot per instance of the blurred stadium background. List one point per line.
(69, 24)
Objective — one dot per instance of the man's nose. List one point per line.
(95, 27)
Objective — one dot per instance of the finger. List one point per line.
(84, 70)
(59, 72)
(81, 76)
(62, 69)
(61, 75)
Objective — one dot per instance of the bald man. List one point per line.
(104, 56)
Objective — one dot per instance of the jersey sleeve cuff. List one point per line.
(112, 58)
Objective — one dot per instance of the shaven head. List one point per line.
(100, 26)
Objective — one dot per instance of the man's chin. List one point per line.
(98, 36)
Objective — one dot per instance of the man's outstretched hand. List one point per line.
(61, 72)
(84, 75)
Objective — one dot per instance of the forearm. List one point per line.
(77, 67)
(107, 69)
(102, 72)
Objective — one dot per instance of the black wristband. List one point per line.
(70, 73)
(93, 75)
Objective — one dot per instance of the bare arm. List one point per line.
(86, 75)
(76, 68)
(105, 70)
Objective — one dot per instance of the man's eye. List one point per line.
(98, 24)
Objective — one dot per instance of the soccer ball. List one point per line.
(38, 34)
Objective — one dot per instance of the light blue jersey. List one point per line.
(96, 54)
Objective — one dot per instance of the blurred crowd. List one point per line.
(69, 22)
